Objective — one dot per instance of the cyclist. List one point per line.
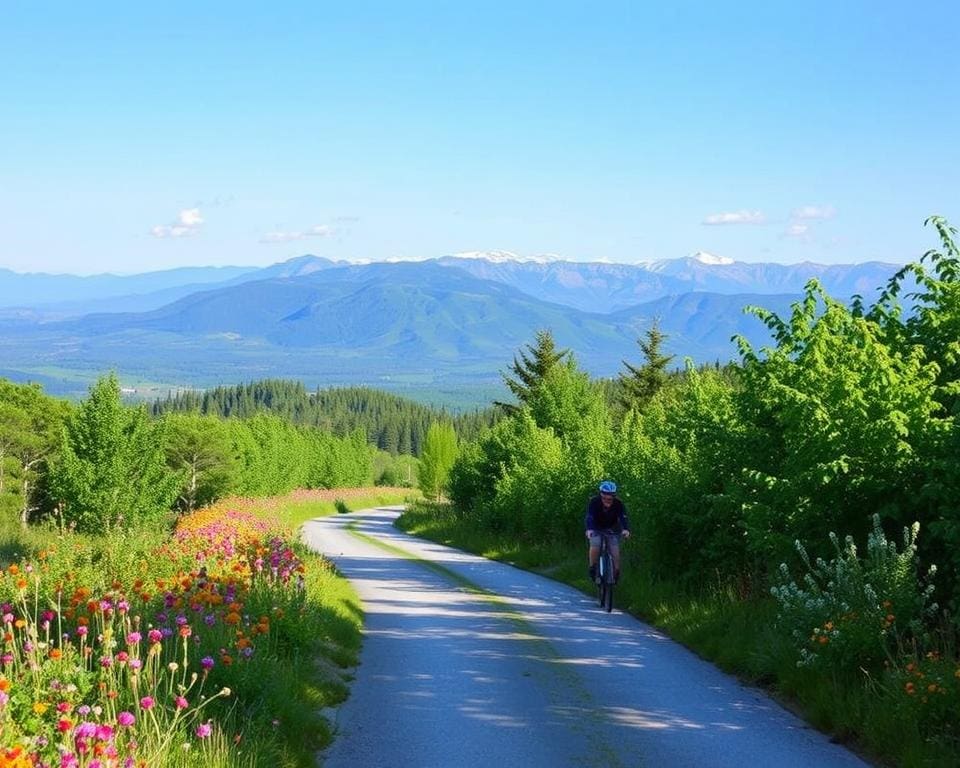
(606, 516)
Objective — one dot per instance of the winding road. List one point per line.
(469, 662)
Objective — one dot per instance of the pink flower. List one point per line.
(126, 719)
(146, 702)
(133, 638)
(180, 702)
(204, 730)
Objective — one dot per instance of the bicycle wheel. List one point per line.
(607, 600)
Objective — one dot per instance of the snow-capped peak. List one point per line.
(708, 258)
(503, 257)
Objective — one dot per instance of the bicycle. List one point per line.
(606, 576)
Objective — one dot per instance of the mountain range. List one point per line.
(450, 322)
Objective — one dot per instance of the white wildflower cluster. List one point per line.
(851, 605)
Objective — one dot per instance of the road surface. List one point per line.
(469, 662)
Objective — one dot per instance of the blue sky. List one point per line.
(139, 138)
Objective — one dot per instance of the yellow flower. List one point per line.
(39, 707)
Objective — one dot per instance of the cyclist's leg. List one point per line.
(613, 542)
(594, 554)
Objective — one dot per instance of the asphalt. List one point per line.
(469, 662)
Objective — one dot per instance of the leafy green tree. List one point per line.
(30, 425)
(437, 456)
(531, 368)
(843, 421)
(112, 470)
(198, 450)
(638, 384)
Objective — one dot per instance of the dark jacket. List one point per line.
(600, 519)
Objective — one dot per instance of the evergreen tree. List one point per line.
(639, 384)
(531, 369)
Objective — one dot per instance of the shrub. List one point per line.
(855, 613)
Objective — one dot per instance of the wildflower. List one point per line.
(133, 638)
(207, 663)
(910, 688)
(126, 719)
(204, 730)
(180, 702)
(146, 702)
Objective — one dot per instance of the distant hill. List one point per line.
(442, 324)
(588, 286)
(74, 294)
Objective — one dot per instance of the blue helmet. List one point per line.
(608, 486)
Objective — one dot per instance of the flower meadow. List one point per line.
(151, 649)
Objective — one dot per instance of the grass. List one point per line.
(738, 635)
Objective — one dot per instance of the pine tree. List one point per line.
(639, 384)
(531, 369)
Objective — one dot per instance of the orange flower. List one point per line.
(823, 639)
(232, 618)
(4, 684)
(910, 688)
(55, 653)
(13, 569)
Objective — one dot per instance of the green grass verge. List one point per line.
(737, 635)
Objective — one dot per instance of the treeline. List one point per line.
(103, 463)
(850, 412)
(391, 423)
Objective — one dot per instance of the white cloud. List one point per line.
(187, 224)
(734, 217)
(190, 217)
(320, 230)
(811, 212)
(797, 230)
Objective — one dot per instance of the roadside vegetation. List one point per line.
(218, 641)
(795, 516)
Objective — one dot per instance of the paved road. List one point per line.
(529, 672)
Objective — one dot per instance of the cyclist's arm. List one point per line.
(624, 522)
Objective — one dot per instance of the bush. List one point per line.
(856, 613)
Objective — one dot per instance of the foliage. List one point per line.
(842, 422)
(437, 457)
(525, 374)
(140, 649)
(111, 470)
(638, 384)
(853, 613)
(30, 427)
(198, 449)
(393, 424)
